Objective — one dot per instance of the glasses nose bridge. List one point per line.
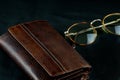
(94, 21)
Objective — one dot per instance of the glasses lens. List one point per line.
(112, 23)
(85, 34)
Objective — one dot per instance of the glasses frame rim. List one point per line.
(73, 40)
(103, 23)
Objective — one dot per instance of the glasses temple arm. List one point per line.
(89, 29)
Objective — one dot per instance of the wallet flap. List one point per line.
(48, 47)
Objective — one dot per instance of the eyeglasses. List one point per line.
(84, 33)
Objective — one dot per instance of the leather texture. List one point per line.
(43, 53)
(103, 54)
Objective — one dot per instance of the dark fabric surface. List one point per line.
(103, 54)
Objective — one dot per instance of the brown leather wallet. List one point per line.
(43, 53)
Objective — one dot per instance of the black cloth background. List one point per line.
(103, 54)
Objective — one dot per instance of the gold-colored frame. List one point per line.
(103, 26)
